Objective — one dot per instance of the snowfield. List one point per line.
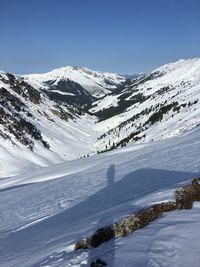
(44, 212)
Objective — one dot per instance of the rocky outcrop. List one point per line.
(22, 88)
(142, 218)
(184, 198)
(187, 194)
(100, 236)
(98, 263)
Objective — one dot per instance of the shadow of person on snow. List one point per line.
(119, 197)
(107, 254)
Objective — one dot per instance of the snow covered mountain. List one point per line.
(95, 83)
(37, 130)
(154, 106)
(74, 112)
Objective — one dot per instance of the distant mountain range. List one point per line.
(73, 112)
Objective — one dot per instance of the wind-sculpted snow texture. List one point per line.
(45, 212)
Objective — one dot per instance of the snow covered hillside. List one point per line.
(73, 112)
(44, 212)
(154, 106)
(36, 130)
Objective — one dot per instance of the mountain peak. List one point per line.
(181, 64)
(96, 83)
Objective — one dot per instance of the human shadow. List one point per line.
(108, 254)
(117, 198)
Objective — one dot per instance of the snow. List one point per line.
(48, 203)
(80, 136)
(106, 102)
(93, 81)
(183, 79)
(62, 93)
(67, 139)
(44, 212)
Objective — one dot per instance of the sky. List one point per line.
(123, 36)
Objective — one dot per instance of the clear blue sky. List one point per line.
(124, 36)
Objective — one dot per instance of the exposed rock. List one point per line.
(22, 88)
(142, 218)
(185, 196)
(98, 263)
(100, 236)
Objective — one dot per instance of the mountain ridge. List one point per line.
(95, 82)
(45, 123)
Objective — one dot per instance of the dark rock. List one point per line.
(102, 235)
(187, 194)
(98, 263)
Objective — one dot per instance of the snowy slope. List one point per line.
(45, 212)
(95, 82)
(156, 106)
(37, 132)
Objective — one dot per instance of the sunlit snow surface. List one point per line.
(44, 212)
